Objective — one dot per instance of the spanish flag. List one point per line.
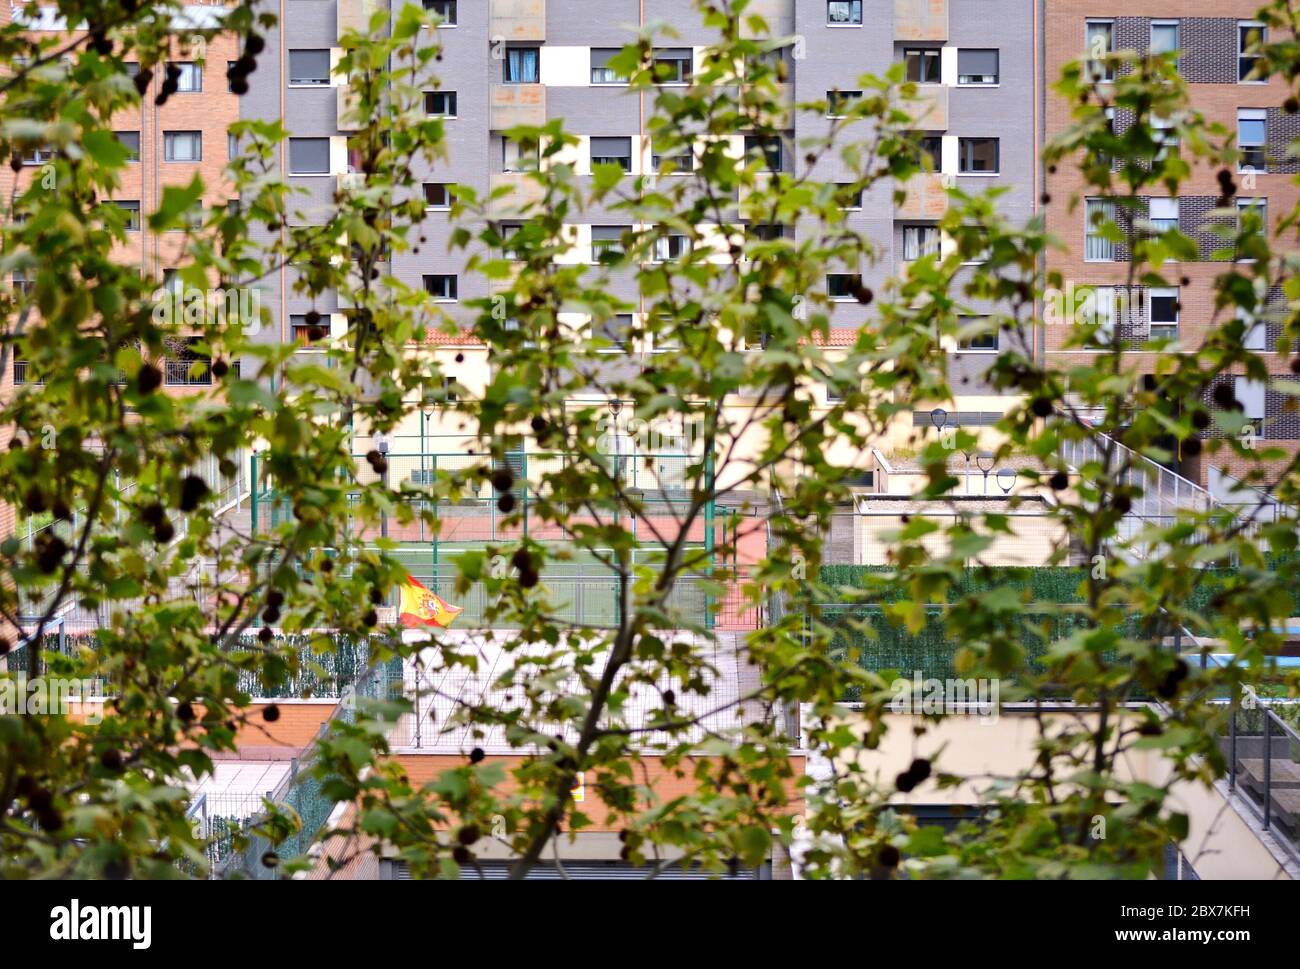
(420, 607)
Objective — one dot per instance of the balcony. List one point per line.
(920, 19)
(930, 108)
(779, 15)
(518, 19)
(926, 198)
(346, 101)
(524, 188)
(517, 104)
(356, 14)
(350, 182)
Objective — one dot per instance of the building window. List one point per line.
(679, 160)
(849, 195)
(844, 13)
(766, 232)
(441, 104)
(182, 146)
(22, 283)
(1251, 36)
(185, 365)
(522, 65)
(1162, 130)
(130, 140)
(607, 242)
(932, 151)
(189, 77)
(601, 72)
(1103, 311)
(441, 287)
(437, 195)
(983, 342)
(517, 157)
(304, 332)
(922, 65)
(843, 287)
(444, 10)
(309, 156)
(977, 67)
(1252, 218)
(309, 68)
(766, 147)
(1099, 44)
(672, 65)
(617, 330)
(612, 151)
(838, 103)
(1097, 247)
(1252, 139)
(977, 156)
(920, 240)
(1164, 37)
(1253, 397)
(131, 212)
(1163, 214)
(673, 246)
(1163, 304)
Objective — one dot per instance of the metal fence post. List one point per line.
(1232, 751)
(1268, 766)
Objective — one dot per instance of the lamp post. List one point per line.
(984, 461)
(381, 445)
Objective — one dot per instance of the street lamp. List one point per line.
(984, 461)
(380, 440)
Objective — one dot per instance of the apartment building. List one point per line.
(1215, 60)
(510, 62)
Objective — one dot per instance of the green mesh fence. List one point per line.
(880, 645)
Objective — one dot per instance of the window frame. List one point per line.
(315, 82)
(1163, 293)
(436, 206)
(997, 155)
(169, 140)
(188, 69)
(294, 172)
(427, 279)
(920, 232)
(847, 295)
(430, 6)
(997, 78)
(536, 60)
(1243, 168)
(1242, 27)
(924, 55)
(623, 161)
(1107, 71)
(449, 98)
(1177, 25)
(133, 154)
(855, 8)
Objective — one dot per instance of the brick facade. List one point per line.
(1209, 64)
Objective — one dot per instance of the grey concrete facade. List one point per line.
(825, 57)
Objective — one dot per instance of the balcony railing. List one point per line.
(512, 105)
(926, 197)
(518, 19)
(920, 19)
